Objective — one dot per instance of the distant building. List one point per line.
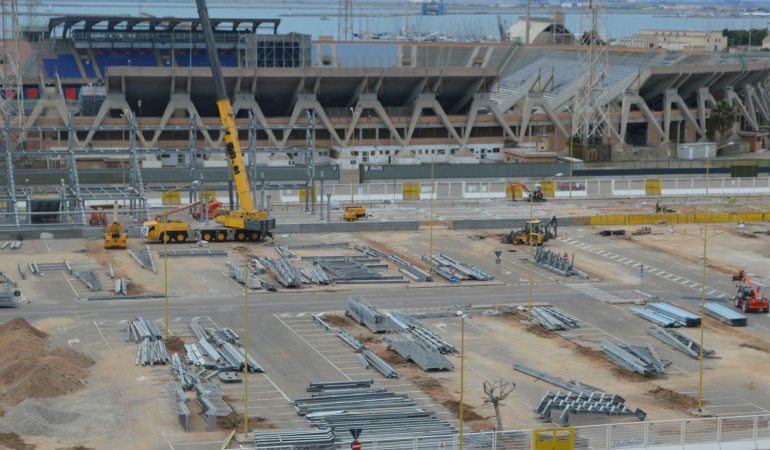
(542, 30)
(677, 40)
(766, 42)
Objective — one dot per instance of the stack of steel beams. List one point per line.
(726, 315)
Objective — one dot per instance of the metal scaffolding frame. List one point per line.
(74, 197)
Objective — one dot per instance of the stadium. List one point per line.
(112, 106)
(373, 102)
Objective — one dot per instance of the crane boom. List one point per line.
(226, 116)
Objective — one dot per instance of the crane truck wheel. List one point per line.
(181, 237)
(207, 236)
(221, 236)
(254, 236)
(240, 236)
(165, 237)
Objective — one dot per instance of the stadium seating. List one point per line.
(63, 64)
(199, 58)
(124, 58)
(89, 68)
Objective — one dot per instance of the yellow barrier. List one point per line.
(172, 198)
(653, 186)
(553, 438)
(302, 193)
(672, 218)
(549, 188)
(411, 190)
(512, 190)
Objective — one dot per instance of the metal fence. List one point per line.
(564, 188)
(739, 432)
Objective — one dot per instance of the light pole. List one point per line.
(530, 233)
(165, 238)
(462, 316)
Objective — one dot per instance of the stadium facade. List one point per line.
(370, 102)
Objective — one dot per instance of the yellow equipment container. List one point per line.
(353, 213)
(114, 234)
(562, 438)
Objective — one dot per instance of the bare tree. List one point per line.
(496, 391)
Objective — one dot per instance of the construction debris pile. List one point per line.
(33, 369)
(667, 316)
(680, 341)
(450, 269)
(556, 263)
(634, 358)
(553, 319)
(152, 350)
(339, 406)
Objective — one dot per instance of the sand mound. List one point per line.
(33, 370)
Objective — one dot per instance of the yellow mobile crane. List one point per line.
(247, 223)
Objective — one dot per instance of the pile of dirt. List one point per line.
(538, 330)
(234, 421)
(589, 352)
(673, 399)
(175, 344)
(629, 375)
(469, 414)
(14, 442)
(337, 320)
(759, 346)
(33, 370)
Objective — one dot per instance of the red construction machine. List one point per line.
(749, 298)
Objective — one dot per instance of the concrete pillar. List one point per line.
(328, 208)
(321, 199)
(654, 137)
(268, 203)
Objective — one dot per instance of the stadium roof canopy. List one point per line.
(134, 23)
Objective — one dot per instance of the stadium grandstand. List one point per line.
(372, 102)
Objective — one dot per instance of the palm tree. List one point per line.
(723, 117)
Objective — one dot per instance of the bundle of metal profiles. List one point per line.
(314, 275)
(210, 398)
(379, 364)
(376, 411)
(320, 386)
(192, 252)
(195, 355)
(556, 263)
(641, 360)
(121, 286)
(90, 279)
(681, 342)
(421, 333)
(320, 245)
(319, 439)
(350, 340)
(176, 402)
(408, 269)
(726, 315)
(140, 329)
(367, 315)
(284, 252)
(151, 353)
(680, 315)
(144, 258)
(584, 404)
(187, 378)
(284, 272)
(350, 270)
(572, 385)
(553, 319)
(413, 350)
(240, 273)
(450, 268)
(657, 319)
(351, 401)
(318, 319)
(235, 355)
(40, 269)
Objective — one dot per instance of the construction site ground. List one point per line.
(123, 404)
